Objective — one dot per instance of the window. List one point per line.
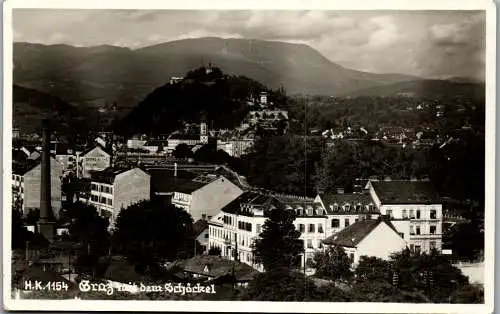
(418, 214)
(412, 248)
(404, 214)
(309, 244)
(351, 257)
(302, 228)
(311, 227)
(356, 220)
(258, 228)
(206, 235)
(22, 179)
(335, 223)
(94, 187)
(417, 229)
(412, 230)
(110, 201)
(433, 214)
(417, 248)
(412, 213)
(248, 226)
(346, 222)
(432, 230)
(320, 244)
(347, 207)
(320, 228)
(358, 207)
(389, 213)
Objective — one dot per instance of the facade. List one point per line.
(114, 189)
(411, 219)
(200, 229)
(177, 139)
(414, 208)
(368, 237)
(94, 159)
(26, 180)
(205, 195)
(239, 223)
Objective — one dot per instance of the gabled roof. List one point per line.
(21, 168)
(216, 266)
(406, 192)
(352, 235)
(335, 203)
(88, 150)
(200, 226)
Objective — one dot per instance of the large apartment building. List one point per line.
(411, 209)
(414, 208)
(93, 159)
(205, 195)
(114, 189)
(26, 180)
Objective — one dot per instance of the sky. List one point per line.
(434, 44)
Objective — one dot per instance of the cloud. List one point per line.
(420, 43)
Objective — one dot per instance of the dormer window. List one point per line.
(336, 207)
(347, 207)
(358, 207)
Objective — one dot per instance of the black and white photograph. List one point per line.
(306, 156)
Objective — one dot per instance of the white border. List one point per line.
(233, 306)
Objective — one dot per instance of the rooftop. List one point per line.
(352, 235)
(336, 202)
(107, 175)
(406, 192)
(199, 226)
(196, 183)
(216, 266)
(164, 181)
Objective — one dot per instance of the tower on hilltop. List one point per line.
(203, 133)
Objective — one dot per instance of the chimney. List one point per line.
(175, 169)
(45, 223)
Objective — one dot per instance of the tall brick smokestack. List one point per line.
(45, 223)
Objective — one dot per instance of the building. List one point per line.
(345, 209)
(26, 180)
(114, 189)
(93, 159)
(239, 223)
(414, 208)
(200, 229)
(368, 237)
(136, 141)
(205, 195)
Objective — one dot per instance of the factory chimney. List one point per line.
(45, 223)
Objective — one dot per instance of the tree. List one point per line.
(90, 230)
(182, 151)
(150, 231)
(371, 268)
(374, 291)
(333, 264)
(466, 239)
(432, 274)
(279, 245)
(469, 294)
(279, 285)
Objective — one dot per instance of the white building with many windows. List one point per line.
(410, 209)
(114, 189)
(414, 208)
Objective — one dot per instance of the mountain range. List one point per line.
(91, 76)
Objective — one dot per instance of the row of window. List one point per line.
(101, 199)
(244, 226)
(311, 228)
(102, 188)
(310, 245)
(347, 207)
(416, 230)
(413, 214)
